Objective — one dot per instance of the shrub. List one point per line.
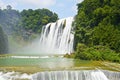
(96, 53)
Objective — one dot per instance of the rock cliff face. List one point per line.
(3, 42)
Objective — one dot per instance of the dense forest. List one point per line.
(97, 33)
(26, 22)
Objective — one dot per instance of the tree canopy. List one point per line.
(26, 22)
(98, 23)
(35, 19)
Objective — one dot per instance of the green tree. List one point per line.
(107, 35)
(97, 24)
(35, 19)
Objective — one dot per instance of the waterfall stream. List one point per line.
(57, 37)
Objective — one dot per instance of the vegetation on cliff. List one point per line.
(26, 22)
(22, 27)
(97, 33)
(3, 42)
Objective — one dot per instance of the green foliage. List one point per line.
(101, 20)
(72, 55)
(107, 35)
(35, 19)
(97, 23)
(96, 53)
(3, 42)
(9, 20)
(25, 23)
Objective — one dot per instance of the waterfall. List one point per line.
(76, 75)
(63, 75)
(57, 37)
(112, 75)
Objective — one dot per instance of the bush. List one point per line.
(96, 53)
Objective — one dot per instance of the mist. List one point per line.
(20, 41)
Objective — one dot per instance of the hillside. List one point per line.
(97, 35)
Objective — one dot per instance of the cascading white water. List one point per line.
(70, 75)
(63, 75)
(57, 37)
(112, 75)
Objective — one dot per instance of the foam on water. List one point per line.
(30, 57)
(14, 76)
(63, 75)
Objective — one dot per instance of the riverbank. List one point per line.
(93, 65)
